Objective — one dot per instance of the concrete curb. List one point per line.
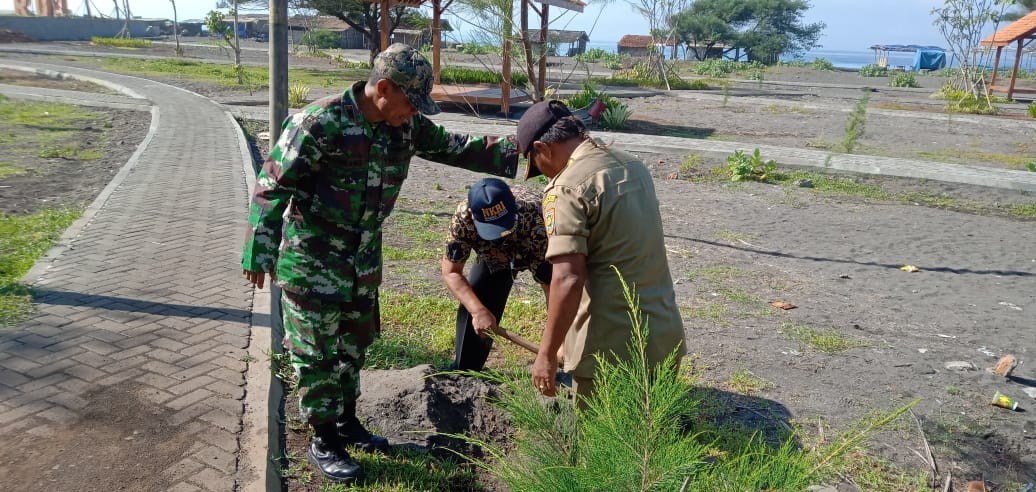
(256, 440)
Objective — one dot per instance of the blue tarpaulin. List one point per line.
(929, 59)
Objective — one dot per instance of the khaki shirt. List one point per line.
(603, 205)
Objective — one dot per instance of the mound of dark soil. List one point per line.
(415, 406)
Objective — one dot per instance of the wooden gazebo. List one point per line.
(1020, 32)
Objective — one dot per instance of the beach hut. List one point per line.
(564, 43)
(638, 45)
(1020, 33)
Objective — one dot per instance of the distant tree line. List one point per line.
(763, 29)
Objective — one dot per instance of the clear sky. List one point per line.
(851, 24)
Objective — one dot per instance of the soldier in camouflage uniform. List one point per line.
(315, 226)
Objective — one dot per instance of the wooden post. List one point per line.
(996, 66)
(436, 38)
(1014, 73)
(385, 6)
(505, 86)
(544, 23)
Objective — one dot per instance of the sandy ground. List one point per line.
(735, 248)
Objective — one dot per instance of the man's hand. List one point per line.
(543, 371)
(258, 278)
(484, 323)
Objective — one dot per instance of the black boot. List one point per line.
(327, 454)
(351, 431)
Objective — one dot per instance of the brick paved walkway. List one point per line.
(131, 375)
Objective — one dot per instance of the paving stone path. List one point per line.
(131, 375)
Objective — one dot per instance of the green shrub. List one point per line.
(744, 167)
(121, 42)
(874, 70)
(321, 39)
(297, 94)
(903, 79)
(822, 64)
(592, 55)
(475, 48)
(460, 75)
(721, 68)
(616, 116)
(646, 428)
(587, 94)
(1032, 110)
(854, 125)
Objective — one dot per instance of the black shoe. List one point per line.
(351, 431)
(333, 461)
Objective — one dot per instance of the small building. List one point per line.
(638, 45)
(563, 43)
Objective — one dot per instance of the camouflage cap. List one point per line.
(410, 71)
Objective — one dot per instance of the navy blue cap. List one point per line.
(493, 207)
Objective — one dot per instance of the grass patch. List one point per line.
(121, 42)
(424, 236)
(717, 274)
(744, 382)
(10, 169)
(965, 156)
(731, 236)
(45, 116)
(739, 296)
(1027, 211)
(23, 239)
(419, 329)
(714, 312)
(829, 341)
(223, 74)
(70, 152)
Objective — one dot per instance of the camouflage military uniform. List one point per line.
(320, 200)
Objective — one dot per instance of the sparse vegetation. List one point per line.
(23, 239)
(743, 167)
(744, 382)
(854, 125)
(874, 70)
(297, 95)
(829, 340)
(903, 79)
(121, 42)
(459, 75)
(616, 116)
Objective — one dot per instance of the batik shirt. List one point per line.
(520, 250)
(331, 181)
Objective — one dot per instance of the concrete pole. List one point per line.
(278, 67)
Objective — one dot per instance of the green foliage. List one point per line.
(903, 79)
(459, 75)
(475, 48)
(616, 116)
(1031, 167)
(1032, 110)
(822, 64)
(23, 240)
(645, 428)
(743, 167)
(854, 125)
(594, 55)
(829, 341)
(874, 70)
(10, 169)
(321, 39)
(719, 68)
(698, 85)
(121, 42)
(71, 152)
(766, 29)
(223, 74)
(587, 94)
(218, 27)
(297, 95)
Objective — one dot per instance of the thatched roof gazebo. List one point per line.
(1020, 32)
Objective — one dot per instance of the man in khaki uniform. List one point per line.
(599, 210)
